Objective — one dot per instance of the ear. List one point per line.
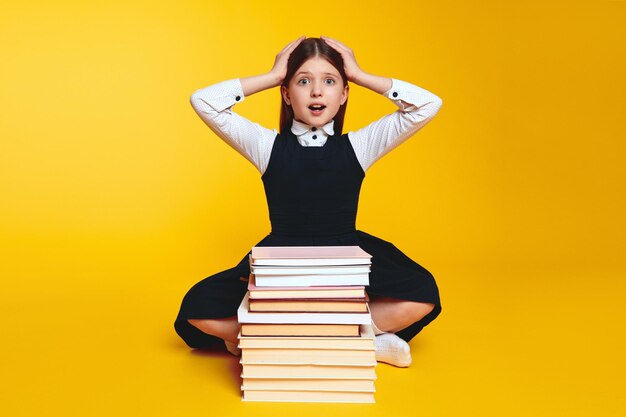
(285, 94)
(344, 94)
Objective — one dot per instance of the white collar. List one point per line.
(299, 128)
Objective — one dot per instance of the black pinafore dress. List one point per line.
(312, 195)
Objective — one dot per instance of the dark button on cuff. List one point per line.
(237, 98)
(395, 94)
(314, 136)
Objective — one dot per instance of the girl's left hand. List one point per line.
(351, 68)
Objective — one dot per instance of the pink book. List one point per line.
(309, 255)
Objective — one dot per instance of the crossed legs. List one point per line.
(389, 314)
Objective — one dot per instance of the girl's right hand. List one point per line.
(280, 63)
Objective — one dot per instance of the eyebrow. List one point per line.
(308, 73)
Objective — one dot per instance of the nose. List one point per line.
(316, 89)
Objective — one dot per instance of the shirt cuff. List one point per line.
(222, 95)
(409, 97)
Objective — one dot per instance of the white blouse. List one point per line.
(416, 107)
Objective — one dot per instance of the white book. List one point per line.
(309, 262)
(311, 280)
(245, 316)
(309, 270)
(332, 291)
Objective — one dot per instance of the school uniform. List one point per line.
(312, 180)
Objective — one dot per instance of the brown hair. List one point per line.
(312, 48)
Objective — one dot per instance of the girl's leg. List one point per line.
(389, 314)
(226, 328)
(392, 315)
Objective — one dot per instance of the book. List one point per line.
(364, 341)
(311, 280)
(310, 270)
(265, 329)
(345, 357)
(303, 292)
(306, 384)
(336, 305)
(309, 396)
(245, 316)
(308, 255)
(286, 371)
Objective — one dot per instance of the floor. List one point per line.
(509, 342)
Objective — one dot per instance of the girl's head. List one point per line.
(315, 88)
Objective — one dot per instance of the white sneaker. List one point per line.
(393, 350)
(232, 348)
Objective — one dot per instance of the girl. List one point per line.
(312, 174)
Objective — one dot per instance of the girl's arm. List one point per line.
(214, 106)
(416, 107)
(276, 75)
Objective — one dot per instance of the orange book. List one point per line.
(254, 329)
(309, 396)
(364, 341)
(244, 315)
(306, 384)
(291, 371)
(337, 305)
(346, 357)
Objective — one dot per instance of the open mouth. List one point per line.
(317, 107)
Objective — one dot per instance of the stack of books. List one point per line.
(306, 332)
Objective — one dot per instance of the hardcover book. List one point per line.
(333, 291)
(246, 316)
(309, 356)
(309, 396)
(364, 341)
(337, 305)
(286, 371)
(272, 329)
(309, 255)
(311, 280)
(305, 384)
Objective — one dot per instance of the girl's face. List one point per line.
(315, 92)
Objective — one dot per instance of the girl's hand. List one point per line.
(279, 70)
(351, 68)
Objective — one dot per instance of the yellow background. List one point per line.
(116, 198)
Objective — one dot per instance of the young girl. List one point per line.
(312, 174)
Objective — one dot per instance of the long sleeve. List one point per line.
(214, 106)
(416, 107)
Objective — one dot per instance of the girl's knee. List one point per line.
(413, 329)
(416, 310)
(207, 326)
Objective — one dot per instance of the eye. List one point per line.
(329, 81)
(303, 81)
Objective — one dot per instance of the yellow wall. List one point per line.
(114, 191)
